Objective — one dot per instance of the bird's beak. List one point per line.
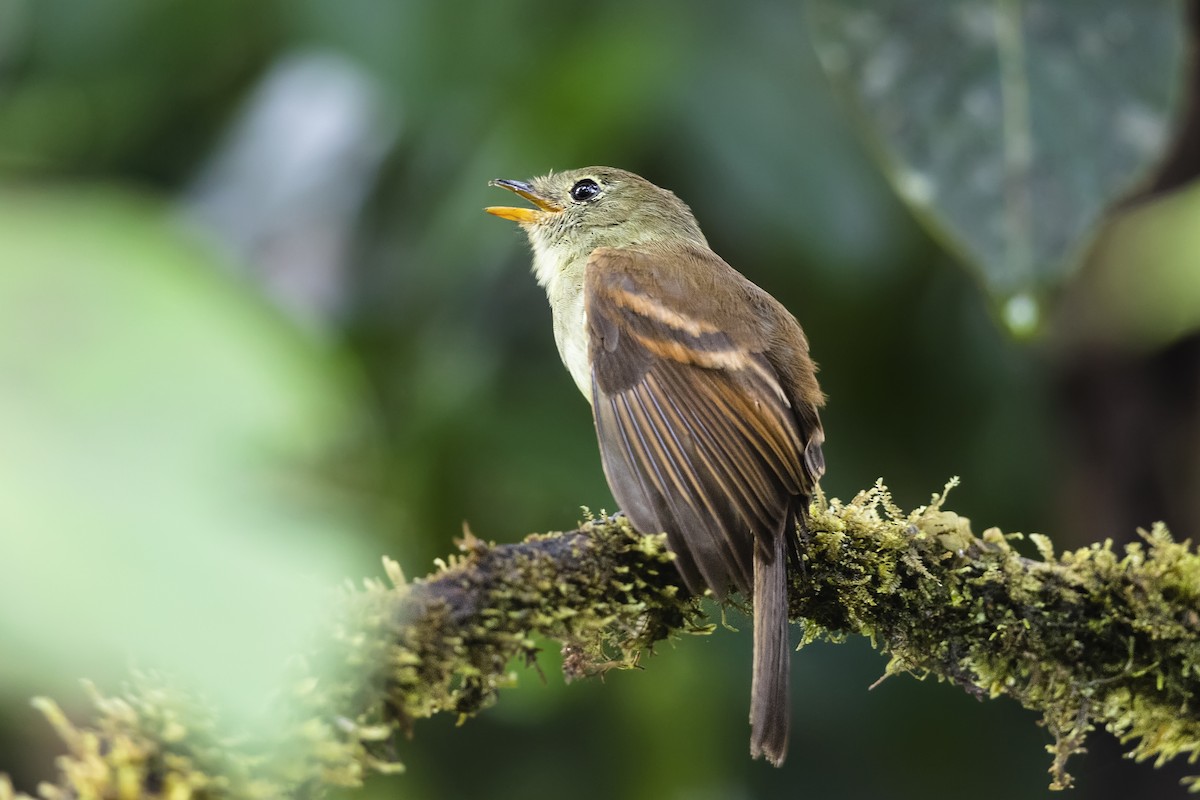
(525, 216)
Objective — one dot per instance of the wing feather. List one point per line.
(698, 433)
(703, 503)
(731, 469)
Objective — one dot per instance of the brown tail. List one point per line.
(769, 706)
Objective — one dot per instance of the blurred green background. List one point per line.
(255, 331)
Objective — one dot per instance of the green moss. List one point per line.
(1092, 638)
(1089, 638)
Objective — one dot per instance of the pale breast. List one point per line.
(562, 277)
(571, 335)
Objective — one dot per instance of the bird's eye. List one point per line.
(585, 190)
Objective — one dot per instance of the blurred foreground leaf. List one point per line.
(159, 424)
(1010, 125)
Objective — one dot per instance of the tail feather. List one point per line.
(770, 708)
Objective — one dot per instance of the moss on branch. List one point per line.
(1089, 638)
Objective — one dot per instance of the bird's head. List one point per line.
(582, 209)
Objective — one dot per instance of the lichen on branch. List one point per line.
(1088, 638)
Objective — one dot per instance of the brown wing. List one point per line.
(699, 433)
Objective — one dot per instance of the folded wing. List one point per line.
(699, 433)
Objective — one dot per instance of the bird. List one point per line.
(703, 392)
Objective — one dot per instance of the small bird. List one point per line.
(703, 392)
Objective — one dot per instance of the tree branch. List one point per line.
(1087, 638)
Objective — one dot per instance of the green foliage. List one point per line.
(162, 435)
(1156, 303)
(1010, 127)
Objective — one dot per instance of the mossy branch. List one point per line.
(1088, 638)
